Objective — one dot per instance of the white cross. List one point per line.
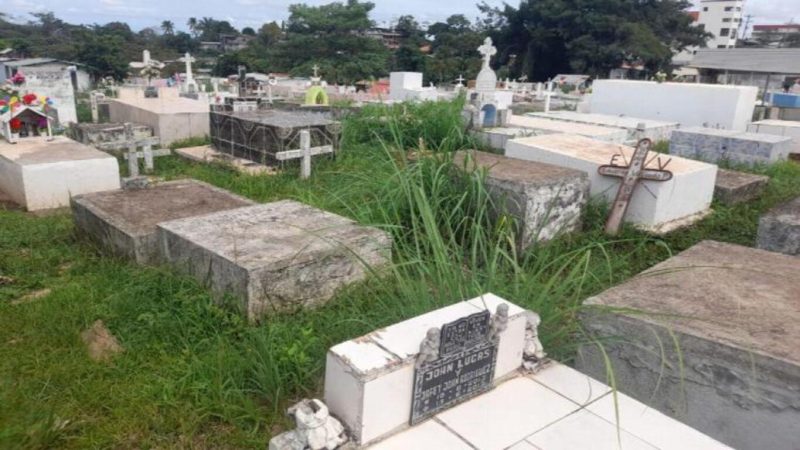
(132, 155)
(487, 50)
(188, 59)
(305, 152)
(316, 69)
(460, 80)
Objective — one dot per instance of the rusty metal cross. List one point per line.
(631, 173)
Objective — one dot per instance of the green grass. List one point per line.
(194, 375)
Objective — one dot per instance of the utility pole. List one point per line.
(748, 18)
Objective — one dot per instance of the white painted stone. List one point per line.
(364, 375)
(650, 425)
(674, 203)
(788, 128)
(690, 104)
(584, 430)
(430, 434)
(570, 383)
(655, 130)
(546, 126)
(54, 82)
(405, 86)
(40, 174)
(511, 412)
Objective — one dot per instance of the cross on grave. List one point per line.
(132, 154)
(487, 50)
(305, 152)
(631, 174)
(189, 84)
(315, 68)
(94, 97)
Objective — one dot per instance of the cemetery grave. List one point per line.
(636, 128)
(658, 206)
(727, 146)
(41, 173)
(123, 222)
(546, 200)
(194, 373)
(734, 187)
(706, 337)
(207, 154)
(779, 229)
(95, 134)
(787, 128)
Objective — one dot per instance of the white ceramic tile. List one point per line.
(363, 355)
(523, 445)
(506, 415)
(344, 392)
(584, 430)
(652, 426)
(426, 436)
(387, 403)
(570, 383)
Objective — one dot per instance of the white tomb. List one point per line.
(369, 384)
(405, 86)
(636, 127)
(788, 128)
(689, 104)
(658, 207)
(38, 173)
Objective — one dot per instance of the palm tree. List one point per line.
(167, 27)
(192, 23)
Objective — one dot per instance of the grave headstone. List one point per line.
(734, 187)
(707, 337)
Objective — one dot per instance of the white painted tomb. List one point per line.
(637, 128)
(545, 126)
(657, 207)
(689, 104)
(171, 116)
(404, 86)
(38, 173)
(789, 128)
(369, 383)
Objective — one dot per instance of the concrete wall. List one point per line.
(704, 105)
(169, 127)
(51, 185)
(11, 180)
(56, 83)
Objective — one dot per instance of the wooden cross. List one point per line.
(305, 152)
(631, 174)
(132, 154)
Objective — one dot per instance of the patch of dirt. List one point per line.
(35, 295)
(5, 281)
(102, 345)
(64, 268)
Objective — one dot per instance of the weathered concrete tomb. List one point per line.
(711, 145)
(104, 133)
(657, 207)
(546, 126)
(779, 229)
(275, 257)
(709, 337)
(38, 173)
(636, 128)
(734, 187)
(546, 200)
(123, 222)
(788, 128)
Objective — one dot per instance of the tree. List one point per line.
(247, 31)
(455, 49)
(192, 24)
(332, 36)
(168, 27)
(269, 33)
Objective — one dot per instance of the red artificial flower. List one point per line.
(29, 99)
(15, 123)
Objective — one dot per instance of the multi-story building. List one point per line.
(721, 18)
(775, 35)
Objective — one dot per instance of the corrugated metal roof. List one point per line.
(761, 60)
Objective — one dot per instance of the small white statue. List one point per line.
(499, 323)
(429, 348)
(316, 429)
(533, 354)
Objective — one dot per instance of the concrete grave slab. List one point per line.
(546, 126)
(715, 146)
(171, 118)
(779, 229)
(103, 133)
(124, 221)
(657, 207)
(654, 130)
(708, 337)
(275, 257)
(546, 200)
(734, 187)
(206, 153)
(788, 128)
(37, 173)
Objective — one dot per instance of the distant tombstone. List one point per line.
(456, 363)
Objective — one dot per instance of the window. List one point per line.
(729, 8)
(701, 26)
(722, 46)
(727, 19)
(725, 32)
(705, 9)
(738, 8)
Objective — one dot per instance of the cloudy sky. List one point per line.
(241, 13)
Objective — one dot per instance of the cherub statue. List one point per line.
(533, 354)
(316, 429)
(429, 348)
(499, 323)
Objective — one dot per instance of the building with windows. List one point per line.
(776, 35)
(722, 18)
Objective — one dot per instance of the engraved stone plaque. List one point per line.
(465, 367)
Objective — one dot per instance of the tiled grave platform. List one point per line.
(707, 144)
(779, 229)
(655, 206)
(653, 129)
(788, 128)
(734, 187)
(123, 222)
(556, 409)
(709, 337)
(206, 153)
(274, 257)
(546, 126)
(40, 174)
(546, 200)
(171, 118)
